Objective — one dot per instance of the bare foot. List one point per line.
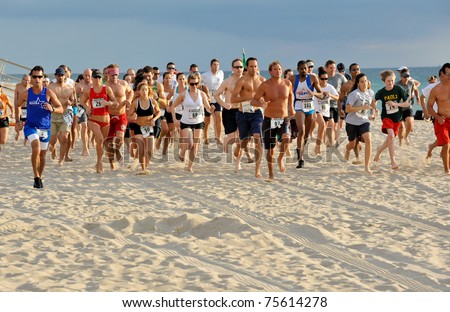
(258, 175)
(250, 160)
(99, 167)
(430, 151)
(206, 141)
(189, 169)
(395, 166)
(181, 158)
(16, 137)
(357, 162)
(67, 158)
(407, 141)
(143, 172)
(85, 153)
(219, 142)
(367, 170)
(281, 166)
(270, 179)
(377, 155)
(317, 150)
(238, 167)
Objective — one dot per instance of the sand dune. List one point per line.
(327, 227)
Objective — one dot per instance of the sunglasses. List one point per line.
(238, 67)
(311, 66)
(37, 77)
(169, 68)
(355, 69)
(97, 77)
(323, 78)
(157, 74)
(193, 83)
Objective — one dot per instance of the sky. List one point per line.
(134, 33)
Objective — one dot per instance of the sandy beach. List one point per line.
(326, 227)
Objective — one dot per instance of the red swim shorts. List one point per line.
(442, 132)
(390, 124)
(118, 123)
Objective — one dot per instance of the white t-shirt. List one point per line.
(359, 98)
(322, 106)
(213, 82)
(426, 93)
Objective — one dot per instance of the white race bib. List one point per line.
(324, 107)
(194, 113)
(361, 113)
(146, 131)
(247, 108)
(80, 111)
(391, 109)
(68, 118)
(23, 113)
(97, 103)
(307, 106)
(163, 111)
(42, 133)
(276, 122)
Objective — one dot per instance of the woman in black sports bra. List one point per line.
(148, 113)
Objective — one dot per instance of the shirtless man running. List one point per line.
(249, 118)
(85, 84)
(230, 109)
(61, 123)
(118, 117)
(441, 95)
(275, 96)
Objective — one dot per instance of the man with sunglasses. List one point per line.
(249, 118)
(61, 123)
(37, 129)
(230, 109)
(118, 117)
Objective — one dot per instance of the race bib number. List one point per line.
(2, 112)
(324, 108)
(163, 111)
(68, 118)
(307, 106)
(362, 113)
(146, 131)
(80, 111)
(194, 113)
(276, 122)
(23, 113)
(97, 103)
(42, 133)
(391, 109)
(247, 108)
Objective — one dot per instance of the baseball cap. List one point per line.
(340, 67)
(60, 71)
(402, 68)
(96, 73)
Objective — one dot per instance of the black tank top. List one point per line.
(144, 112)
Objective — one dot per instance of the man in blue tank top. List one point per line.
(37, 128)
